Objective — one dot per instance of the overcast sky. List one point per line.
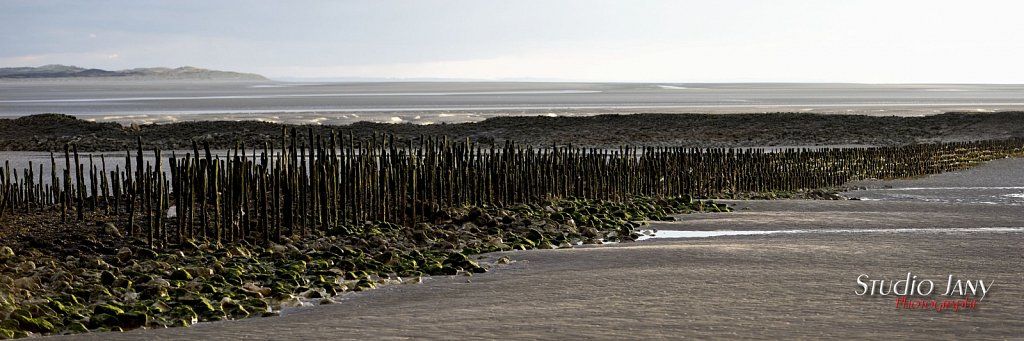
(892, 41)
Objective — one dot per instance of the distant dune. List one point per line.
(155, 73)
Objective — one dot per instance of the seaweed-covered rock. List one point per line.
(35, 325)
(181, 275)
(107, 278)
(107, 309)
(76, 327)
(460, 260)
(132, 320)
(103, 321)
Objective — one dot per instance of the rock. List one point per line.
(327, 301)
(239, 251)
(207, 288)
(10, 324)
(460, 260)
(185, 313)
(256, 305)
(233, 309)
(474, 213)
(103, 321)
(35, 325)
(133, 320)
(257, 290)
(124, 254)
(6, 252)
(485, 219)
(107, 278)
(201, 272)
(279, 249)
(27, 266)
(27, 283)
(181, 275)
(58, 307)
(289, 301)
(107, 309)
(365, 284)
(200, 305)
(146, 254)
(160, 307)
(76, 327)
(97, 263)
(111, 229)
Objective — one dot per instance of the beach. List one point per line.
(771, 286)
(529, 170)
(769, 269)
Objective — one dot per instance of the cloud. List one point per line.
(682, 41)
(88, 60)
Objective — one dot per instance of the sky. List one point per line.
(684, 41)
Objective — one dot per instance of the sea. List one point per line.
(144, 102)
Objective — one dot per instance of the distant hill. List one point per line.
(64, 71)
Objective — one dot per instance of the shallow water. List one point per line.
(675, 234)
(963, 195)
(997, 182)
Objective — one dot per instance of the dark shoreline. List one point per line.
(50, 132)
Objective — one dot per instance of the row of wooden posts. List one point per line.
(336, 181)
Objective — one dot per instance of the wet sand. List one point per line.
(758, 287)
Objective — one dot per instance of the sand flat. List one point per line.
(768, 286)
